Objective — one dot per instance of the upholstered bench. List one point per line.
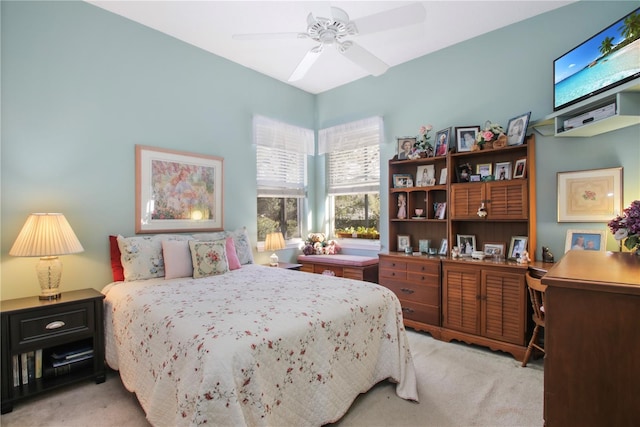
(350, 266)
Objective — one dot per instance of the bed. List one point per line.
(255, 345)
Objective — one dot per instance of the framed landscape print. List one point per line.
(177, 191)
(590, 195)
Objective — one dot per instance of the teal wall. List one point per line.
(81, 87)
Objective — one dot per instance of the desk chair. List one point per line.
(536, 293)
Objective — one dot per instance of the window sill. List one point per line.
(363, 244)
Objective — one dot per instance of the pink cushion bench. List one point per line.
(350, 266)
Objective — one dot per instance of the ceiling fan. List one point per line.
(336, 30)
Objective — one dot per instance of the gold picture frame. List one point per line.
(178, 191)
(590, 195)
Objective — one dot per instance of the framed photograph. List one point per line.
(405, 146)
(520, 170)
(442, 142)
(465, 137)
(466, 244)
(463, 172)
(494, 249)
(517, 246)
(475, 178)
(402, 180)
(483, 169)
(440, 210)
(517, 129)
(426, 176)
(177, 191)
(404, 242)
(443, 176)
(590, 195)
(503, 171)
(444, 247)
(585, 240)
(423, 245)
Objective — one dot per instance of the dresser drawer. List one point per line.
(424, 267)
(40, 326)
(392, 264)
(420, 312)
(413, 292)
(325, 269)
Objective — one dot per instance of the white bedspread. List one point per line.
(255, 346)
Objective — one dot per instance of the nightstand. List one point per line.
(288, 266)
(36, 335)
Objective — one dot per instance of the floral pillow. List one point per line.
(208, 258)
(141, 256)
(240, 239)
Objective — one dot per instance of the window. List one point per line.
(281, 163)
(353, 173)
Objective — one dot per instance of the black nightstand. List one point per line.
(288, 266)
(34, 330)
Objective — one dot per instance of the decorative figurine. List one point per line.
(547, 255)
(455, 252)
(402, 206)
(524, 258)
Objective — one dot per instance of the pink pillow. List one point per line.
(177, 259)
(232, 255)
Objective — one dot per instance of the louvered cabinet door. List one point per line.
(466, 199)
(461, 298)
(507, 200)
(504, 306)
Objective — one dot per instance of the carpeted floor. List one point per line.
(458, 384)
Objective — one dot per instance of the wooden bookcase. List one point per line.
(477, 301)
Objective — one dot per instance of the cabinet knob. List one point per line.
(407, 290)
(55, 324)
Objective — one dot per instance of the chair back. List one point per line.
(536, 293)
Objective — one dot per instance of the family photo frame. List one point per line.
(402, 180)
(517, 129)
(465, 137)
(443, 137)
(588, 240)
(426, 176)
(503, 171)
(466, 244)
(405, 147)
(590, 195)
(494, 249)
(177, 191)
(520, 169)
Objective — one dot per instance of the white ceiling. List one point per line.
(210, 25)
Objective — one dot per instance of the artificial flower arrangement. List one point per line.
(422, 144)
(626, 227)
(491, 133)
(317, 244)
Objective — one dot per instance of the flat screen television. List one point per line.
(608, 59)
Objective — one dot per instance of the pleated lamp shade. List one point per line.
(274, 242)
(47, 235)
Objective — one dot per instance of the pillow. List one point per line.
(240, 239)
(177, 259)
(141, 256)
(116, 264)
(209, 258)
(232, 256)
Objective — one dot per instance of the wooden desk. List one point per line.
(592, 340)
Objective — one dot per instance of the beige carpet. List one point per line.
(459, 385)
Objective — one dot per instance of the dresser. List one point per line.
(592, 340)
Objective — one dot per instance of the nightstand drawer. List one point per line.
(38, 326)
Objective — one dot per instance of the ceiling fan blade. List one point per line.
(362, 57)
(395, 18)
(339, 14)
(306, 63)
(267, 36)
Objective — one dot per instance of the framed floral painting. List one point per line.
(177, 191)
(590, 195)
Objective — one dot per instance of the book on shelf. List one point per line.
(16, 370)
(70, 360)
(38, 367)
(60, 370)
(24, 365)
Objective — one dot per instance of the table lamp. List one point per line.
(274, 242)
(47, 235)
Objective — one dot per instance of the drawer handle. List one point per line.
(55, 324)
(407, 290)
(407, 310)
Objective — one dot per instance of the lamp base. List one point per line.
(49, 270)
(50, 297)
(273, 260)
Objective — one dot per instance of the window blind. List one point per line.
(281, 157)
(353, 156)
